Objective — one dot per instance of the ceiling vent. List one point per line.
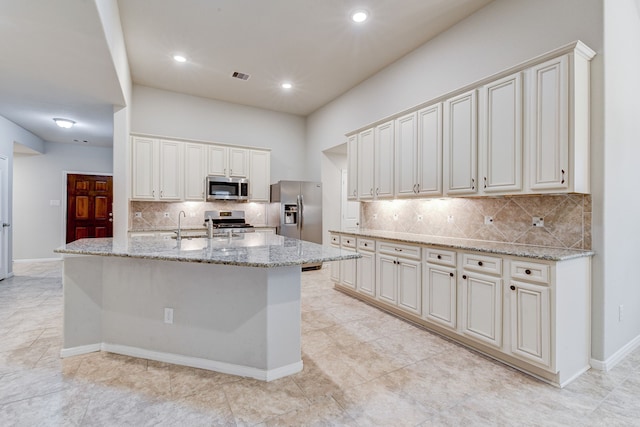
(241, 76)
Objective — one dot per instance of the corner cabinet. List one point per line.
(352, 167)
(157, 169)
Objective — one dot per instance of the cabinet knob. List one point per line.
(464, 276)
(480, 263)
(562, 176)
(451, 274)
(371, 191)
(473, 183)
(513, 288)
(439, 257)
(527, 271)
(485, 182)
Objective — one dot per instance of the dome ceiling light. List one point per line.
(64, 123)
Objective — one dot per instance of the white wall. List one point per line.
(619, 206)
(503, 34)
(171, 114)
(332, 165)
(9, 134)
(38, 228)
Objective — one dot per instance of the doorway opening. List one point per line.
(89, 206)
(4, 217)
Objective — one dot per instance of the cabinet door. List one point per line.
(549, 125)
(409, 285)
(194, 171)
(352, 167)
(461, 144)
(348, 271)
(383, 160)
(406, 146)
(530, 322)
(171, 172)
(238, 162)
(259, 175)
(144, 169)
(366, 274)
(440, 295)
(501, 139)
(386, 278)
(429, 154)
(216, 160)
(365, 164)
(482, 308)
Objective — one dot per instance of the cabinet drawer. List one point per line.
(482, 263)
(348, 241)
(335, 240)
(530, 271)
(366, 245)
(440, 256)
(398, 249)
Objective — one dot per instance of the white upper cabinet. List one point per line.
(157, 168)
(524, 130)
(501, 136)
(259, 175)
(227, 161)
(461, 144)
(352, 167)
(366, 164)
(383, 161)
(195, 161)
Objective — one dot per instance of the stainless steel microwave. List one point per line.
(223, 188)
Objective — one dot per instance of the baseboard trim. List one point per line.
(211, 365)
(607, 365)
(25, 261)
(83, 349)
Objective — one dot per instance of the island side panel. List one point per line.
(220, 313)
(82, 293)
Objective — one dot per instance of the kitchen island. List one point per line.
(229, 304)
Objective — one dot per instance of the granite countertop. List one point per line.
(527, 251)
(244, 249)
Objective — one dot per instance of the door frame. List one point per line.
(65, 177)
(6, 204)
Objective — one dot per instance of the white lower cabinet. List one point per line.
(533, 314)
(366, 267)
(335, 265)
(482, 308)
(348, 267)
(398, 278)
(531, 322)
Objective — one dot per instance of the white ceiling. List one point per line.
(57, 63)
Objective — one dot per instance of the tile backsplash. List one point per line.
(164, 215)
(567, 218)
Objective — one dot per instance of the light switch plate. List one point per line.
(488, 220)
(537, 221)
(138, 215)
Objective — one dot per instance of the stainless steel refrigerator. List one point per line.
(300, 210)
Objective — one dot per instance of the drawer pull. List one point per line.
(527, 271)
(439, 257)
(398, 249)
(366, 244)
(451, 274)
(464, 276)
(513, 288)
(480, 263)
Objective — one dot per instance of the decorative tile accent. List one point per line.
(567, 218)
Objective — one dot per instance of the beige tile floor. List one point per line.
(361, 367)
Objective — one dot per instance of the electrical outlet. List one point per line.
(450, 219)
(168, 315)
(395, 217)
(138, 215)
(620, 312)
(488, 220)
(166, 214)
(375, 216)
(419, 217)
(537, 221)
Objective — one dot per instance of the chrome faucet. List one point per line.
(179, 236)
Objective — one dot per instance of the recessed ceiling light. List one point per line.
(359, 16)
(179, 58)
(286, 85)
(64, 123)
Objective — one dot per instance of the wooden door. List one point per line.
(89, 206)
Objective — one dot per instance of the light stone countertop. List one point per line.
(264, 250)
(526, 251)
